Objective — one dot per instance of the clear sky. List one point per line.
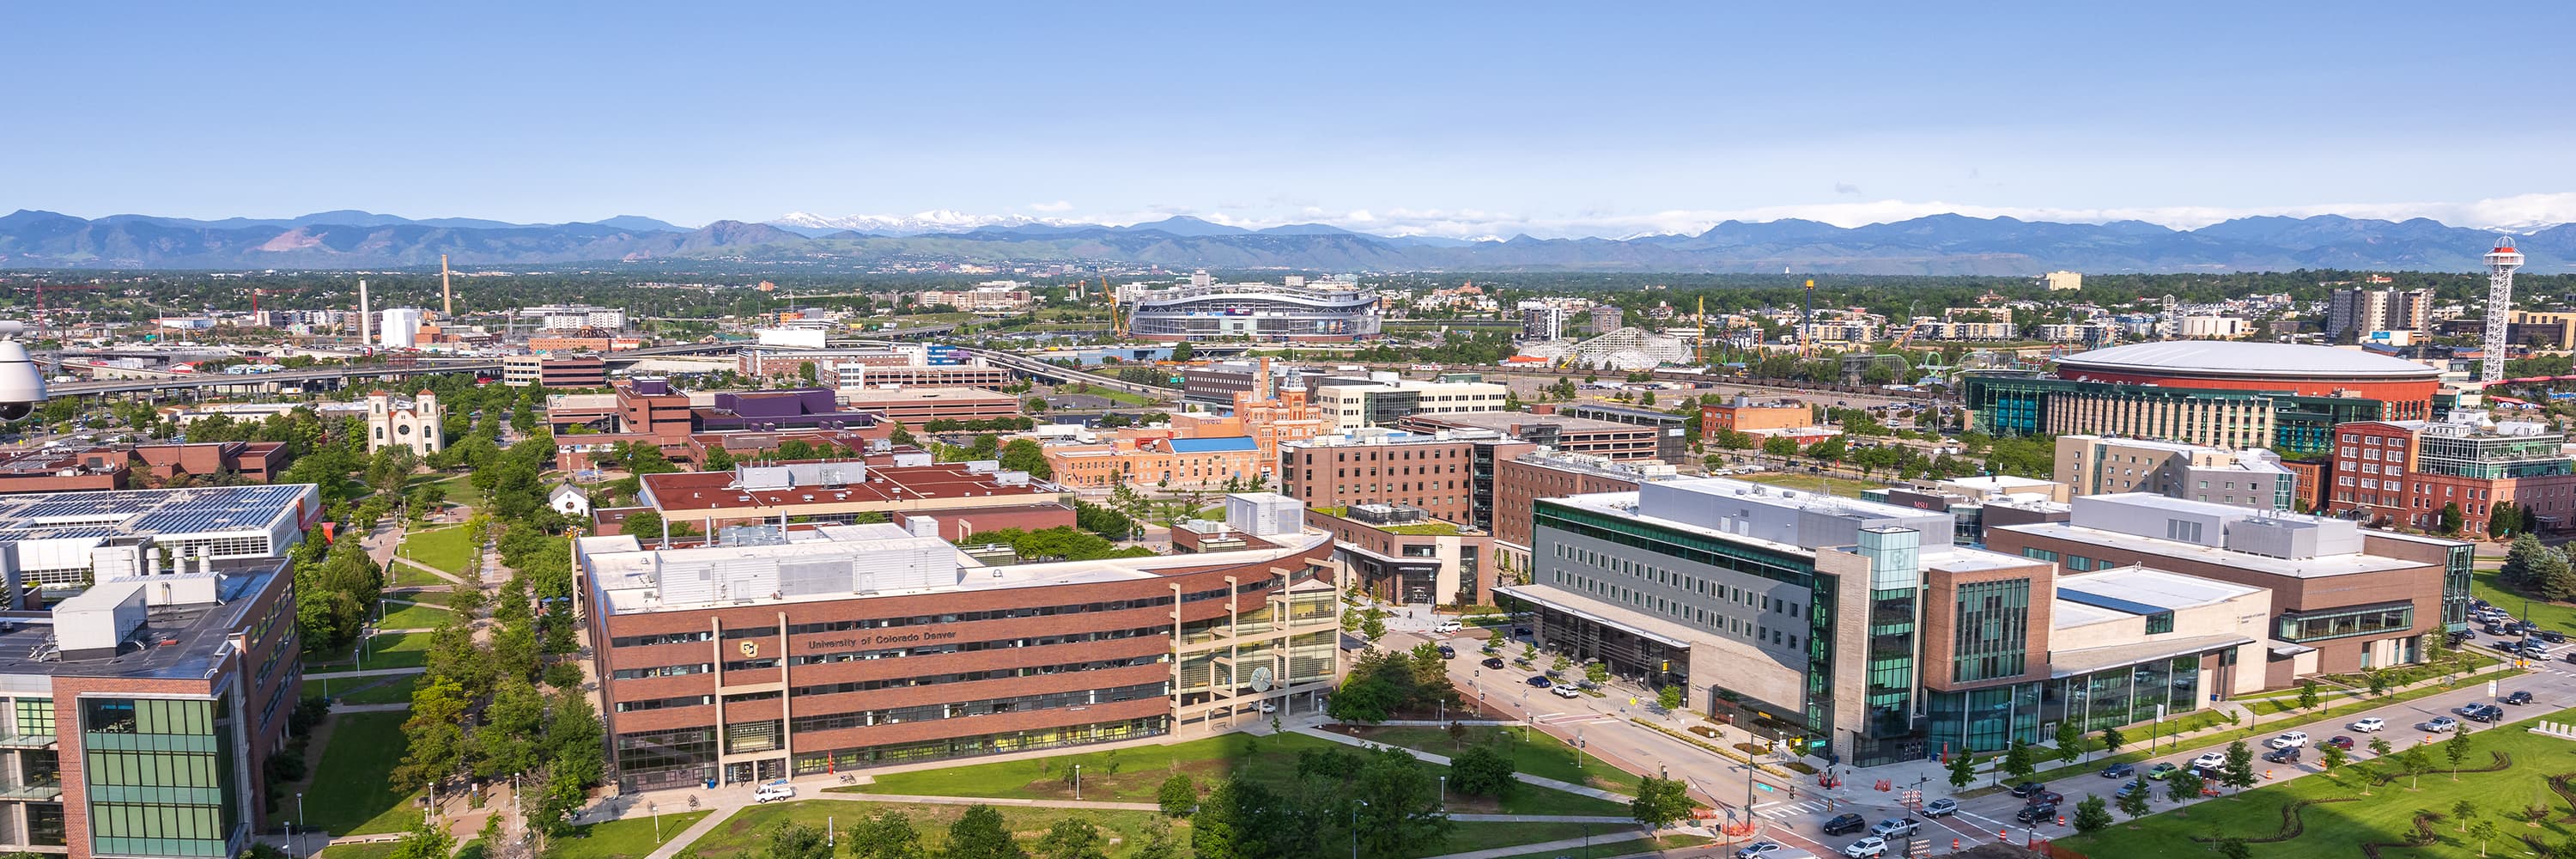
(1390, 116)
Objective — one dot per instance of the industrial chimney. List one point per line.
(445, 295)
(366, 319)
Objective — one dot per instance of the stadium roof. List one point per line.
(2229, 358)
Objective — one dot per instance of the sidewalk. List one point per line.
(1443, 760)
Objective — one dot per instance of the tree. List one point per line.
(2019, 762)
(424, 842)
(1182, 352)
(1660, 803)
(1597, 672)
(2464, 811)
(2456, 749)
(2308, 695)
(2518, 560)
(1178, 795)
(1402, 816)
(2112, 740)
(979, 834)
(1780, 445)
(1484, 770)
(2239, 772)
(2552, 577)
(1024, 454)
(2416, 763)
(2484, 831)
(1669, 697)
(2500, 519)
(2092, 815)
(1072, 838)
(886, 836)
(1962, 769)
(2234, 848)
(2451, 517)
(789, 840)
(2184, 785)
(2135, 803)
(2332, 756)
(2379, 747)
(2378, 681)
(2070, 740)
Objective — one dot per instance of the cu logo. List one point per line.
(751, 648)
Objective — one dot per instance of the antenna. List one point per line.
(2500, 265)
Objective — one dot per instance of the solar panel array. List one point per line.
(144, 511)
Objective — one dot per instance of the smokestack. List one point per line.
(366, 318)
(444, 294)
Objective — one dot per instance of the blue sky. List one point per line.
(1394, 117)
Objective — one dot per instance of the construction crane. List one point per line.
(40, 290)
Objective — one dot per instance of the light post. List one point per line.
(290, 840)
(656, 809)
(1077, 782)
(1355, 828)
(1444, 794)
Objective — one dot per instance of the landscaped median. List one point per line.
(1731, 754)
(2326, 716)
(2373, 808)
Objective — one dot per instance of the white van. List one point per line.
(772, 791)
(1448, 626)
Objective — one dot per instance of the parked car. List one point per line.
(1521, 631)
(2494, 629)
(2341, 742)
(2034, 815)
(2484, 713)
(1845, 823)
(1448, 626)
(1866, 848)
(1896, 827)
(1448, 652)
(1540, 681)
(2291, 740)
(2119, 771)
(2209, 760)
(2046, 797)
(2160, 771)
(2553, 636)
(1495, 662)
(2285, 755)
(1758, 849)
(2130, 787)
(2518, 697)
(2369, 725)
(2441, 724)
(1564, 691)
(1942, 807)
(2027, 788)
(773, 790)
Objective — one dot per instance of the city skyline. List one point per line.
(1403, 122)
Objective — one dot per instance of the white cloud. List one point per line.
(1057, 206)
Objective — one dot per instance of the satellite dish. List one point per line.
(1261, 678)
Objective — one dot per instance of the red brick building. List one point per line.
(2405, 472)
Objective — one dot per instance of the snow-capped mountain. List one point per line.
(933, 221)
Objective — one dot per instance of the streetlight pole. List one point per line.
(656, 809)
(1444, 794)
(1355, 828)
(1077, 782)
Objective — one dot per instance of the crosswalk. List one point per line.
(1789, 806)
(1573, 718)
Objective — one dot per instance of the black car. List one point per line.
(2496, 629)
(2483, 713)
(2553, 636)
(1846, 823)
(1541, 682)
(2119, 771)
(1448, 652)
(1494, 662)
(2048, 798)
(2027, 788)
(2518, 698)
(1521, 631)
(2282, 756)
(2032, 815)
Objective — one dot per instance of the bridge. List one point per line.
(1042, 370)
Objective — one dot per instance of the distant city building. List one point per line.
(1606, 318)
(2212, 327)
(1744, 415)
(1542, 320)
(1208, 312)
(1400, 553)
(2406, 472)
(2251, 477)
(399, 328)
(1448, 474)
(998, 295)
(2354, 311)
(1609, 439)
(1672, 431)
(2065, 281)
(556, 316)
(1383, 398)
(2228, 394)
(570, 371)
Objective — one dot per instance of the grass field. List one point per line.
(620, 838)
(397, 650)
(1539, 755)
(414, 617)
(460, 490)
(349, 795)
(743, 835)
(2337, 828)
(1840, 486)
(408, 576)
(445, 548)
(394, 690)
(360, 851)
(2550, 615)
(1138, 772)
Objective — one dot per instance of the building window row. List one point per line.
(970, 676)
(2303, 627)
(987, 706)
(972, 646)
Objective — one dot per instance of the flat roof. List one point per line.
(1670, 633)
(2068, 663)
(176, 642)
(156, 512)
(2145, 590)
(2246, 359)
(878, 395)
(2298, 568)
(1510, 421)
(685, 491)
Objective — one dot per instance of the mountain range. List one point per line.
(1938, 244)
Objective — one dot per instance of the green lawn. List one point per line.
(1134, 775)
(1539, 755)
(2550, 615)
(384, 850)
(1841, 486)
(445, 548)
(2336, 829)
(393, 690)
(460, 490)
(620, 838)
(398, 650)
(744, 834)
(349, 795)
(414, 617)
(1603, 848)
(408, 576)
(1487, 835)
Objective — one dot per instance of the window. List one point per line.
(2160, 623)
(2305, 627)
(1992, 625)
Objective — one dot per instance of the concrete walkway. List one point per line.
(451, 577)
(371, 672)
(1568, 787)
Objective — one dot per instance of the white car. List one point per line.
(772, 791)
(1867, 848)
(2370, 725)
(2291, 740)
(2209, 760)
(1448, 626)
(1564, 691)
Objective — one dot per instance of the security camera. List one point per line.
(22, 386)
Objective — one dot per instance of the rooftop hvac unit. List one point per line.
(922, 526)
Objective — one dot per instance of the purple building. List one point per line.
(797, 408)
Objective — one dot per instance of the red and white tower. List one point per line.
(2500, 265)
